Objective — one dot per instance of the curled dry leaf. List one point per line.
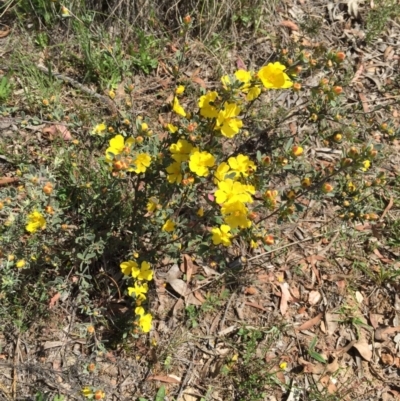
(331, 323)
(285, 297)
(364, 349)
(250, 291)
(310, 323)
(328, 384)
(165, 379)
(57, 131)
(5, 32)
(289, 24)
(314, 297)
(54, 300)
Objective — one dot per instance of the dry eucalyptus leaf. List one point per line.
(57, 131)
(331, 323)
(179, 286)
(284, 298)
(364, 349)
(173, 273)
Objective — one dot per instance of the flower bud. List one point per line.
(340, 56)
(326, 188)
(337, 90)
(48, 188)
(269, 240)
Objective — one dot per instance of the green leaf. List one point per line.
(315, 355)
(160, 394)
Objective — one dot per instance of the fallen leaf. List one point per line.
(333, 366)
(331, 323)
(358, 73)
(57, 131)
(240, 64)
(314, 297)
(256, 305)
(285, 297)
(310, 323)
(381, 334)
(359, 297)
(173, 273)
(375, 319)
(179, 286)
(387, 359)
(165, 379)
(54, 299)
(200, 297)
(289, 24)
(208, 271)
(5, 32)
(199, 81)
(309, 367)
(364, 349)
(328, 384)
(189, 394)
(189, 267)
(250, 291)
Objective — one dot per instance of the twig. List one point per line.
(186, 378)
(14, 383)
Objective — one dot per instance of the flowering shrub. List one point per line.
(209, 176)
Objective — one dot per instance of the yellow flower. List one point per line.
(35, 221)
(141, 162)
(235, 215)
(20, 264)
(65, 12)
(99, 129)
(145, 322)
(139, 310)
(87, 392)
(226, 121)
(273, 77)
(351, 187)
(253, 93)
(172, 128)
(221, 172)
(179, 90)
(139, 290)
(253, 244)
(152, 204)
(297, 150)
(241, 165)
(200, 212)
(117, 146)
(221, 235)
(174, 173)
(169, 226)
(144, 127)
(177, 108)
(111, 93)
(366, 165)
(145, 272)
(128, 267)
(200, 162)
(232, 191)
(243, 76)
(283, 365)
(206, 105)
(181, 150)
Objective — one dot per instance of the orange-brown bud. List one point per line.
(48, 188)
(269, 240)
(337, 90)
